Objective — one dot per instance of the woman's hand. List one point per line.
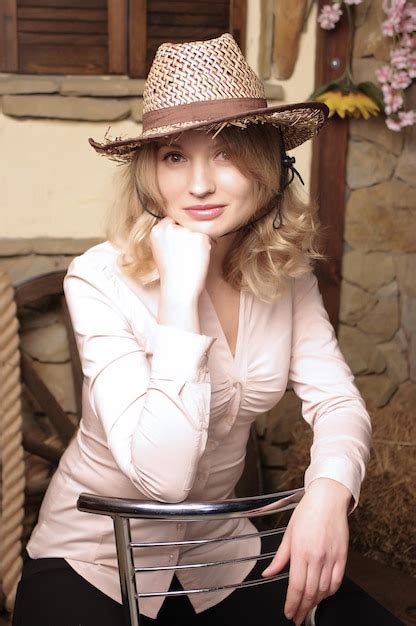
(182, 257)
(316, 542)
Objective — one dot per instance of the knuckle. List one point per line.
(309, 596)
(318, 556)
(296, 589)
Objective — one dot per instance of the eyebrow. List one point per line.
(169, 145)
(179, 146)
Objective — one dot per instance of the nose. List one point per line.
(202, 179)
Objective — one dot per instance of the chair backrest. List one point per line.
(123, 510)
(28, 293)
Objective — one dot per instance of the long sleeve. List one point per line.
(155, 416)
(331, 403)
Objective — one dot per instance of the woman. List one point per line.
(190, 320)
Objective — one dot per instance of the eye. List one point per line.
(173, 157)
(224, 155)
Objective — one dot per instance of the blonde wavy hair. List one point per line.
(261, 259)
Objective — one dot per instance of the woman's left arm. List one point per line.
(316, 539)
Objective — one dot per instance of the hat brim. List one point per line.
(299, 122)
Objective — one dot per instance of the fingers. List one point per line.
(316, 589)
(337, 576)
(280, 558)
(297, 581)
(310, 584)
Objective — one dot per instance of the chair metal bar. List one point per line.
(254, 506)
(123, 510)
(126, 570)
(260, 557)
(245, 583)
(195, 542)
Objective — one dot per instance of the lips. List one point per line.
(204, 207)
(208, 212)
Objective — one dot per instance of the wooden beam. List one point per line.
(117, 36)
(328, 166)
(289, 19)
(238, 19)
(9, 60)
(137, 38)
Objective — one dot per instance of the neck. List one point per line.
(219, 249)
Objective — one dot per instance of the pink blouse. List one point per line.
(167, 414)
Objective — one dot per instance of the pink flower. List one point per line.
(393, 104)
(412, 65)
(388, 29)
(393, 124)
(395, 11)
(407, 26)
(393, 101)
(407, 118)
(401, 80)
(384, 74)
(407, 41)
(410, 11)
(399, 57)
(390, 6)
(387, 92)
(329, 15)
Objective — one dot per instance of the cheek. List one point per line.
(237, 185)
(169, 183)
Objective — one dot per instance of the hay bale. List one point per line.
(382, 526)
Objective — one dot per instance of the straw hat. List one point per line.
(209, 84)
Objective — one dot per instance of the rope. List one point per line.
(11, 449)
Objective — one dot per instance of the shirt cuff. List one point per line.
(340, 469)
(180, 355)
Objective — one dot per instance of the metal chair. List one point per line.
(122, 510)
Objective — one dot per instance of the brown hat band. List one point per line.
(198, 111)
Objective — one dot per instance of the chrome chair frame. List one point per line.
(122, 510)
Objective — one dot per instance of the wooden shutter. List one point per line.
(106, 36)
(157, 21)
(69, 36)
(8, 36)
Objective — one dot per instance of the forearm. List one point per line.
(328, 490)
(182, 315)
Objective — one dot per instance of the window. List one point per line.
(106, 36)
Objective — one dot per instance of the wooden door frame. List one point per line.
(328, 172)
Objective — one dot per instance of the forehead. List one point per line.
(188, 139)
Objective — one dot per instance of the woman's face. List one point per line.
(202, 188)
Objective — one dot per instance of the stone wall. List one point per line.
(377, 330)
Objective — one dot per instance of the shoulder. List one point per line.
(304, 285)
(97, 274)
(101, 257)
(95, 267)
(103, 254)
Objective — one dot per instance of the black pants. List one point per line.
(51, 593)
